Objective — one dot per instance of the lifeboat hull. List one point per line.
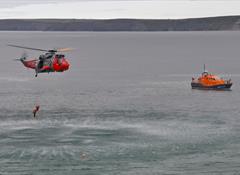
(215, 87)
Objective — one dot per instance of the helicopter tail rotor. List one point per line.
(23, 57)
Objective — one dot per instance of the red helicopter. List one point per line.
(48, 62)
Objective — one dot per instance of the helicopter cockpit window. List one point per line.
(59, 61)
(60, 56)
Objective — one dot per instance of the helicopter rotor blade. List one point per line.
(64, 49)
(30, 48)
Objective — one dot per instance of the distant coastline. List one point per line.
(223, 23)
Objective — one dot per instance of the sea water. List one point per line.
(125, 106)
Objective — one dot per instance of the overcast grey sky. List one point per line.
(103, 9)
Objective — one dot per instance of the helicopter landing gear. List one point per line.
(36, 72)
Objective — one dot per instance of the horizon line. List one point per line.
(203, 17)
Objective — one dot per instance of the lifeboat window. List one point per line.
(205, 74)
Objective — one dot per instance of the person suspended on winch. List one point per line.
(35, 110)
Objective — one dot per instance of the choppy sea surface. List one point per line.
(124, 107)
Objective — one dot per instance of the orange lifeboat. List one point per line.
(211, 82)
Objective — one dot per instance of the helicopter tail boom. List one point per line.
(28, 63)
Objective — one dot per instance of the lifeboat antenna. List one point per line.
(204, 68)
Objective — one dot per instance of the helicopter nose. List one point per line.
(65, 65)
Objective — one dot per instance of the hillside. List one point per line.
(197, 24)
